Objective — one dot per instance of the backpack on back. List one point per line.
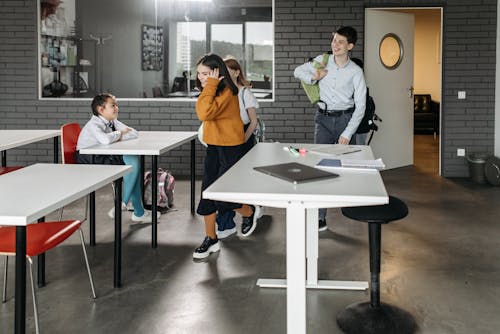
(165, 193)
(368, 122)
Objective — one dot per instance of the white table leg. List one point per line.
(295, 269)
(312, 263)
(312, 246)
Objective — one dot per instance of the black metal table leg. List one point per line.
(56, 149)
(4, 158)
(193, 172)
(20, 293)
(154, 194)
(118, 234)
(92, 213)
(142, 176)
(41, 264)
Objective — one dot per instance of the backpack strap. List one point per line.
(243, 97)
(326, 56)
(147, 175)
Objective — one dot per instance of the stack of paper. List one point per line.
(350, 163)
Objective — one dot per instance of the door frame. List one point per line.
(441, 105)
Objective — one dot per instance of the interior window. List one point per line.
(149, 49)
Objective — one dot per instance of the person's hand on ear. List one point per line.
(215, 74)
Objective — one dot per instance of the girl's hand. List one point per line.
(215, 74)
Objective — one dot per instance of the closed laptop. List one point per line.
(295, 172)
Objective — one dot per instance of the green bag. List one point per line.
(312, 90)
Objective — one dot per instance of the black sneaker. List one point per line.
(322, 225)
(207, 246)
(249, 224)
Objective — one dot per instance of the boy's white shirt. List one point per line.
(97, 131)
(341, 89)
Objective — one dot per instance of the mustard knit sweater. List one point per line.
(222, 125)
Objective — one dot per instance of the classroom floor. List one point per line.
(441, 264)
(426, 153)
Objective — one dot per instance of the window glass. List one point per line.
(227, 40)
(148, 49)
(259, 53)
(190, 45)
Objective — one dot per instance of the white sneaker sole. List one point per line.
(210, 250)
(324, 228)
(259, 211)
(226, 233)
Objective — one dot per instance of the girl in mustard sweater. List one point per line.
(218, 108)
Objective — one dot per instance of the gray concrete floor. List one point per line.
(441, 264)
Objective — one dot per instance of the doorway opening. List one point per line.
(426, 88)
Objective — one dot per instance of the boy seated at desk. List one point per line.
(105, 128)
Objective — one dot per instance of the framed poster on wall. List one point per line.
(152, 48)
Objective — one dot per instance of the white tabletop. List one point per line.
(148, 143)
(14, 138)
(34, 191)
(242, 184)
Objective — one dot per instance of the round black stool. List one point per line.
(374, 316)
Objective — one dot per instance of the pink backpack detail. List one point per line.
(165, 193)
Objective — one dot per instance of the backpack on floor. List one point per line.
(165, 193)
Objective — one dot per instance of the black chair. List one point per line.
(425, 114)
(179, 85)
(374, 316)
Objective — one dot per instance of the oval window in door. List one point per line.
(390, 51)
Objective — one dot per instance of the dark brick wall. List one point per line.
(302, 28)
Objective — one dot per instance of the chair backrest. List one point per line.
(69, 139)
(179, 85)
(422, 103)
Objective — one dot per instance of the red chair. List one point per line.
(69, 139)
(39, 239)
(5, 170)
(45, 236)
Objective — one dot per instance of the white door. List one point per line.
(391, 88)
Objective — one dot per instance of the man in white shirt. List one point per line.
(342, 90)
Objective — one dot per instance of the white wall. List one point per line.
(121, 55)
(427, 77)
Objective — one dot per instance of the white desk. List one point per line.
(153, 143)
(52, 186)
(14, 138)
(242, 184)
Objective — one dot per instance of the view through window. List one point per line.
(149, 49)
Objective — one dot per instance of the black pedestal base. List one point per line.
(361, 318)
